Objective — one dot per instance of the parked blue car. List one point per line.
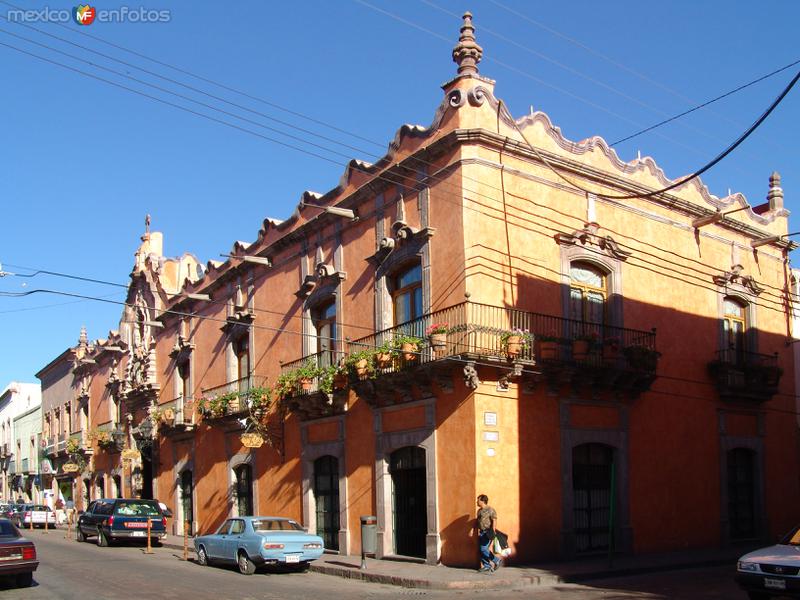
(250, 542)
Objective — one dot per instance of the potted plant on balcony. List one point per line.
(285, 385)
(515, 341)
(407, 345)
(383, 355)
(360, 362)
(305, 374)
(258, 400)
(584, 343)
(611, 349)
(641, 358)
(437, 336)
(548, 346)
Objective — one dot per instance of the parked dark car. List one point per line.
(116, 519)
(773, 571)
(17, 554)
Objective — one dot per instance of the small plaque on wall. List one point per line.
(490, 418)
(491, 436)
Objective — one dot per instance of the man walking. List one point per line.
(487, 521)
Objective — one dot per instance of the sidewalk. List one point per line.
(417, 575)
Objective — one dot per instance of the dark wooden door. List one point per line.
(326, 496)
(409, 501)
(187, 494)
(592, 496)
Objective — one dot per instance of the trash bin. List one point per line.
(369, 534)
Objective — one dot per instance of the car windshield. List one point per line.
(276, 525)
(792, 538)
(137, 509)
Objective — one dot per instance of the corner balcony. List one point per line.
(549, 349)
(745, 376)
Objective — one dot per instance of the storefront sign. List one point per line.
(252, 440)
(70, 468)
(130, 454)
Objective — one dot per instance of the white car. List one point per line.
(772, 571)
(36, 513)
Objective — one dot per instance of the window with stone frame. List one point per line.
(241, 353)
(324, 320)
(588, 293)
(734, 328)
(406, 291)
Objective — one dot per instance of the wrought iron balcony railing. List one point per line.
(745, 376)
(480, 332)
(229, 398)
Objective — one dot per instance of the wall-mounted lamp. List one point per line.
(771, 239)
(333, 210)
(715, 217)
(256, 260)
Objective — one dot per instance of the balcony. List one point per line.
(4, 451)
(552, 350)
(24, 468)
(231, 399)
(745, 376)
(178, 414)
(50, 446)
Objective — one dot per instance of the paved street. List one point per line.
(70, 570)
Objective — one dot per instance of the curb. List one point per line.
(410, 582)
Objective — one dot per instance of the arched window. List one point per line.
(588, 293)
(324, 318)
(407, 294)
(734, 325)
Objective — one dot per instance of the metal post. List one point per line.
(363, 566)
(185, 540)
(148, 550)
(69, 525)
(31, 519)
(46, 515)
(611, 515)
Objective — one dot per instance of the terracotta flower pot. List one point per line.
(548, 350)
(513, 345)
(306, 384)
(361, 367)
(409, 350)
(580, 349)
(383, 359)
(339, 381)
(438, 341)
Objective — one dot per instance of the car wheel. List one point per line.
(202, 557)
(246, 566)
(301, 567)
(24, 580)
(155, 542)
(79, 534)
(102, 540)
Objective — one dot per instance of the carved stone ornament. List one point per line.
(471, 376)
(324, 274)
(403, 234)
(588, 237)
(734, 277)
(182, 348)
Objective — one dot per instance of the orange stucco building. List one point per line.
(613, 372)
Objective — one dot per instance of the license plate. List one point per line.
(138, 534)
(292, 558)
(11, 557)
(774, 584)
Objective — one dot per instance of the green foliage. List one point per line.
(367, 355)
(401, 338)
(525, 337)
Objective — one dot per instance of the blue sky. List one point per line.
(82, 162)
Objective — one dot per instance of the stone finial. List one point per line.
(83, 339)
(467, 53)
(775, 194)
